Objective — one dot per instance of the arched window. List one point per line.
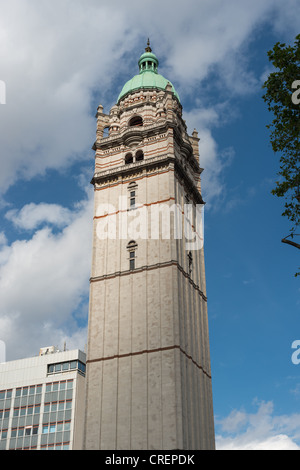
(106, 132)
(132, 190)
(136, 121)
(132, 247)
(128, 158)
(139, 156)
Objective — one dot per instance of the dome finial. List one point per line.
(148, 48)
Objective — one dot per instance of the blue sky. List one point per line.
(58, 65)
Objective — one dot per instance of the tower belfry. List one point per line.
(148, 360)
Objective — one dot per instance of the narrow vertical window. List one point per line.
(132, 199)
(132, 194)
(131, 248)
(106, 132)
(190, 259)
(132, 260)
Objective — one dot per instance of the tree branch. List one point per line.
(289, 242)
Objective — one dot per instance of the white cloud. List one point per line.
(285, 18)
(296, 390)
(279, 442)
(213, 159)
(53, 62)
(3, 238)
(32, 215)
(262, 430)
(209, 33)
(43, 282)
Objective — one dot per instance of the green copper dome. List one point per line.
(148, 78)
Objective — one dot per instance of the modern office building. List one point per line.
(42, 401)
(148, 359)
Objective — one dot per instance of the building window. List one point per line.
(128, 158)
(56, 427)
(132, 247)
(66, 366)
(132, 260)
(45, 428)
(132, 200)
(23, 411)
(4, 413)
(32, 390)
(5, 394)
(132, 194)
(55, 386)
(139, 156)
(106, 132)
(58, 406)
(190, 260)
(136, 121)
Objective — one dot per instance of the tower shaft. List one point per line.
(148, 363)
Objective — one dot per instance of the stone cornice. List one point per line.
(150, 164)
(129, 168)
(149, 268)
(151, 351)
(135, 135)
(143, 132)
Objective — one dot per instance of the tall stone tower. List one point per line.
(148, 362)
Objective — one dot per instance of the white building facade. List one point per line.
(42, 401)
